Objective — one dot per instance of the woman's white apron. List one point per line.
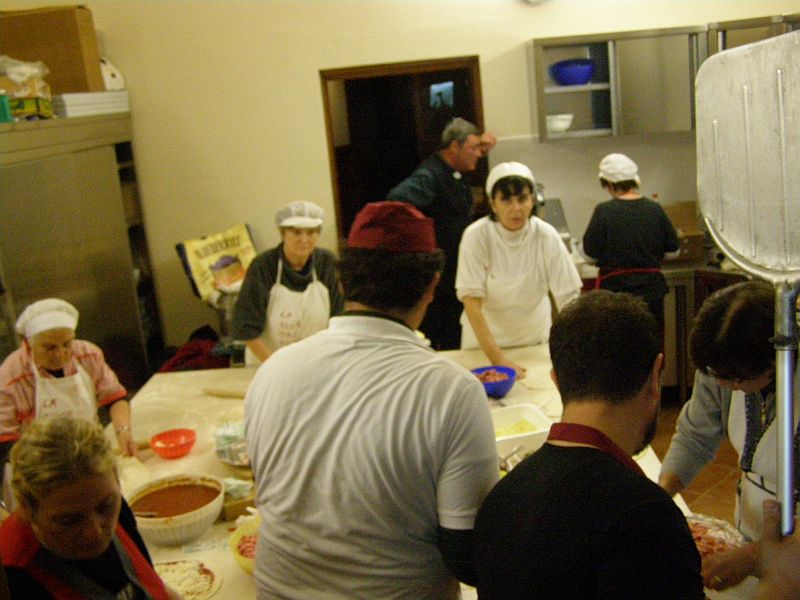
(72, 395)
(760, 483)
(292, 316)
(516, 306)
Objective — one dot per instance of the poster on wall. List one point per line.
(216, 263)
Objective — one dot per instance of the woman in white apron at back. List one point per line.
(734, 397)
(507, 263)
(55, 374)
(290, 291)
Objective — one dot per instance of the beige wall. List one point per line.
(227, 110)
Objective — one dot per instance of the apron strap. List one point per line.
(755, 430)
(617, 272)
(89, 588)
(582, 434)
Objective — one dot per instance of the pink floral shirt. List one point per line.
(18, 384)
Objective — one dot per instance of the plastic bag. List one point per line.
(19, 71)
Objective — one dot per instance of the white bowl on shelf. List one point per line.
(559, 123)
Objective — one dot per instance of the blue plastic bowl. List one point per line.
(497, 389)
(575, 71)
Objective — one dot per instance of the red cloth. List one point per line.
(193, 355)
(392, 226)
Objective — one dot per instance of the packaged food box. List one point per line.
(34, 87)
(22, 108)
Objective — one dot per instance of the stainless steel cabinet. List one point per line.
(643, 81)
(724, 35)
(64, 232)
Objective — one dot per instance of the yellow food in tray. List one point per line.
(518, 428)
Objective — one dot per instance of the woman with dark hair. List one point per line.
(508, 263)
(734, 397)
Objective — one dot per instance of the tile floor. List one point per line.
(713, 490)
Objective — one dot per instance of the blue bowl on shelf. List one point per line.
(575, 71)
(496, 389)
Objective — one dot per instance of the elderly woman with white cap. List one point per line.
(53, 373)
(508, 261)
(629, 236)
(290, 291)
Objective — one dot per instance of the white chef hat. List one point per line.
(507, 169)
(301, 214)
(618, 167)
(50, 313)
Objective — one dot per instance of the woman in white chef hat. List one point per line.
(290, 291)
(53, 373)
(508, 261)
(629, 236)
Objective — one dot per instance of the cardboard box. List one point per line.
(33, 88)
(685, 217)
(63, 38)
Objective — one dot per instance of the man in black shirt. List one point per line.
(579, 518)
(440, 190)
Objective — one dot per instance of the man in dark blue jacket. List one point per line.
(439, 189)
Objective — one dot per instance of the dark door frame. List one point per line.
(470, 63)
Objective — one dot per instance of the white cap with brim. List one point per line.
(618, 167)
(300, 214)
(508, 169)
(51, 313)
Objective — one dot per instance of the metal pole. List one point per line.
(785, 343)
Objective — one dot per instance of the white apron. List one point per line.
(516, 308)
(292, 316)
(72, 395)
(763, 469)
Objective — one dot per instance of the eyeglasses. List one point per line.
(724, 376)
(737, 378)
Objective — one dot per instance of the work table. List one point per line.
(205, 399)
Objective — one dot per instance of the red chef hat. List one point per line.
(392, 226)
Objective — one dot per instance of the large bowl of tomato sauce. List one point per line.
(177, 509)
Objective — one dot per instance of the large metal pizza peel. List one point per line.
(748, 173)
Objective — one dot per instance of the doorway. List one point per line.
(383, 120)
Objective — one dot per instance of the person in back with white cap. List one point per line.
(508, 261)
(370, 452)
(289, 291)
(53, 373)
(629, 236)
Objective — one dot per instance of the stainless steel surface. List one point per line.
(748, 114)
(64, 234)
(785, 359)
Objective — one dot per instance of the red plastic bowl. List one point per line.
(173, 443)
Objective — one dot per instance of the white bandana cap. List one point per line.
(300, 214)
(507, 169)
(618, 167)
(51, 313)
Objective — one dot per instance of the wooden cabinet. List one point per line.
(72, 228)
(678, 315)
(643, 81)
(708, 281)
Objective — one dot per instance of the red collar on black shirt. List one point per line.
(583, 434)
